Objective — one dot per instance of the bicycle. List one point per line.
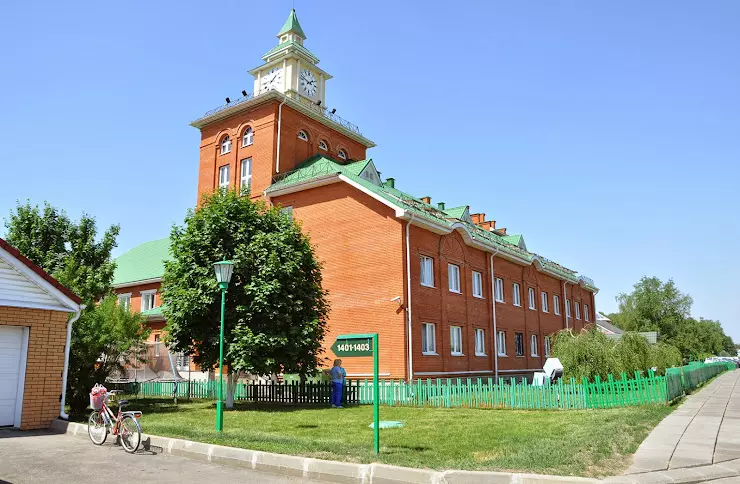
(102, 421)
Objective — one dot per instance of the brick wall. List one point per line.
(263, 121)
(44, 364)
(360, 244)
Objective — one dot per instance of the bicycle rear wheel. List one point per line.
(96, 428)
(130, 434)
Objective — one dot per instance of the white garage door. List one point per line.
(12, 359)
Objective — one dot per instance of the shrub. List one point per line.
(632, 353)
(664, 356)
(586, 354)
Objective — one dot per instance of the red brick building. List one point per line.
(448, 292)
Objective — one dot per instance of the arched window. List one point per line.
(342, 155)
(323, 146)
(302, 135)
(225, 145)
(248, 137)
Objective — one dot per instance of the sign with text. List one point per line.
(353, 345)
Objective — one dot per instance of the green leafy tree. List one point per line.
(276, 307)
(102, 341)
(71, 252)
(586, 354)
(632, 353)
(654, 306)
(664, 356)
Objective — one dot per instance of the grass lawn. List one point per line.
(585, 442)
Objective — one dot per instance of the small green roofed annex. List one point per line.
(363, 175)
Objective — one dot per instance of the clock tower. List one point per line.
(291, 68)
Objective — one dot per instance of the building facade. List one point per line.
(448, 293)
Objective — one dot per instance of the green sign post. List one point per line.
(353, 345)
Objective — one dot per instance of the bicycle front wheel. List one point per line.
(130, 434)
(96, 428)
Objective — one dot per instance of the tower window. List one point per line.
(248, 137)
(225, 145)
(342, 155)
(246, 175)
(323, 146)
(223, 177)
(302, 135)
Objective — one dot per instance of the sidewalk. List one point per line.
(701, 438)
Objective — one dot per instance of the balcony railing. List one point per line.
(301, 100)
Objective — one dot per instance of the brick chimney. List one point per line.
(427, 200)
(478, 218)
(488, 225)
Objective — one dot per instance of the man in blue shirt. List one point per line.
(338, 375)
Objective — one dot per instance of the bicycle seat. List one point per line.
(122, 403)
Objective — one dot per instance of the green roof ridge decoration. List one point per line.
(292, 25)
(142, 263)
(320, 166)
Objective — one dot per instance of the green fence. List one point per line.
(613, 392)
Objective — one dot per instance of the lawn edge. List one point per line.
(324, 470)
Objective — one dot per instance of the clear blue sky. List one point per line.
(608, 133)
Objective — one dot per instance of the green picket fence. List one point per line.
(626, 390)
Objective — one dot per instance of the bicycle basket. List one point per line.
(98, 396)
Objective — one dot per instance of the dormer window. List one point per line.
(342, 155)
(323, 146)
(248, 137)
(302, 135)
(225, 145)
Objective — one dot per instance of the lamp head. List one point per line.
(224, 270)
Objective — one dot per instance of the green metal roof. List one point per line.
(295, 45)
(321, 166)
(292, 25)
(145, 261)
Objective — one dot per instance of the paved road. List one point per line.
(704, 430)
(40, 457)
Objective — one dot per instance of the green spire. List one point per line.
(292, 25)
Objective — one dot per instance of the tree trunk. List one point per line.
(230, 389)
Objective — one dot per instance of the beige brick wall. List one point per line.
(44, 364)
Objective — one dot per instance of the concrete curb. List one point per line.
(324, 470)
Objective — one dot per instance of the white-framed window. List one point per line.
(567, 308)
(248, 137)
(426, 271)
(480, 342)
(323, 145)
(499, 290)
(517, 295)
(501, 343)
(519, 344)
(556, 304)
(156, 344)
(453, 277)
(585, 312)
(183, 362)
(147, 299)
(223, 176)
(428, 339)
(456, 341)
(477, 284)
(225, 145)
(246, 175)
(287, 211)
(302, 135)
(342, 155)
(532, 302)
(124, 300)
(547, 346)
(578, 310)
(533, 344)
(545, 303)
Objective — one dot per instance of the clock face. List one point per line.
(272, 79)
(309, 84)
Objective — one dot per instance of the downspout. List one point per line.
(408, 298)
(280, 119)
(565, 302)
(65, 372)
(495, 330)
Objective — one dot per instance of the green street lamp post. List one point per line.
(224, 270)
